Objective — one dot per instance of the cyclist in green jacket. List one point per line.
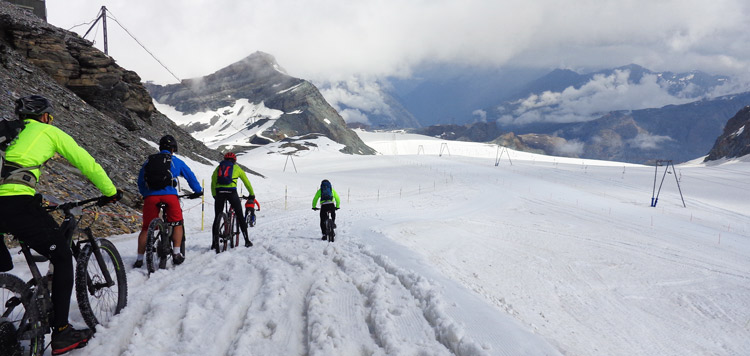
(224, 188)
(327, 196)
(22, 215)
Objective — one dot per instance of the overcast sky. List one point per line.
(331, 39)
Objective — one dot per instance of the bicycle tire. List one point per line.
(222, 233)
(234, 228)
(108, 301)
(156, 229)
(182, 245)
(28, 325)
(329, 230)
(249, 219)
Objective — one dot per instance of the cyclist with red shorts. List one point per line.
(156, 182)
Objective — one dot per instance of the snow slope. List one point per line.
(453, 255)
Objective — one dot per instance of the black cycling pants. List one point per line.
(25, 218)
(324, 208)
(221, 197)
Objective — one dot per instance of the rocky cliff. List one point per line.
(102, 105)
(296, 106)
(735, 141)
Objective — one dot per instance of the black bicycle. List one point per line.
(330, 227)
(100, 285)
(159, 239)
(229, 229)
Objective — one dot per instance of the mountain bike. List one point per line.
(229, 229)
(330, 227)
(159, 239)
(100, 285)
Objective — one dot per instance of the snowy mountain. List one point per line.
(735, 140)
(564, 96)
(251, 103)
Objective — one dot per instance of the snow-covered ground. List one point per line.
(454, 255)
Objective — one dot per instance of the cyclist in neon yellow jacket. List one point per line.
(327, 196)
(22, 215)
(224, 188)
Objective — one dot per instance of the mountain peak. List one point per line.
(260, 59)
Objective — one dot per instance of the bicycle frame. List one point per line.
(232, 227)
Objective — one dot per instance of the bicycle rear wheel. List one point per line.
(329, 230)
(19, 319)
(223, 235)
(155, 254)
(97, 300)
(234, 228)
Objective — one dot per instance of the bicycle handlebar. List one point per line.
(71, 205)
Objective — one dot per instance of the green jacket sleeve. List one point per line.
(81, 159)
(241, 174)
(336, 197)
(315, 199)
(213, 182)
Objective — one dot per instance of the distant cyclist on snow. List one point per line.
(250, 206)
(224, 188)
(327, 195)
(156, 182)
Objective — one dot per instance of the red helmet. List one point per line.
(230, 156)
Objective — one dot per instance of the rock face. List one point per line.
(259, 79)
(735, 141)
(101, 105)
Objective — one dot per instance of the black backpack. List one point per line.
(326, 192)
(157, 171)
(224, 173)
(9, 130)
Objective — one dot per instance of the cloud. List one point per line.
(646, 141)
(572, 148)
(482, 115)
(355, 96)
(334, 39)
(602, 94)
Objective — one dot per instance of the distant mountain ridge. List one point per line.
(254, 102)
(678, 132)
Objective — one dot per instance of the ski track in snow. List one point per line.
(454, 256)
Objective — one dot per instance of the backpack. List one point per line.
(11, 172)
(224, 173)
(326, 192)
(157, 171)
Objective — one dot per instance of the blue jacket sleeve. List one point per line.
(185, 171)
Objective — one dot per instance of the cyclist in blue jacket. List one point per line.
(154, 194)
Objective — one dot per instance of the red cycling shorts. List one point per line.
(150, 212)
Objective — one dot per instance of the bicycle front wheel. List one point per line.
(99, 299)
(20, 322)
(157, 232)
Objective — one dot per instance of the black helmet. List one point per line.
(33, 106)
(167, 142)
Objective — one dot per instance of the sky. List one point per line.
(453, 255)
(335, 39)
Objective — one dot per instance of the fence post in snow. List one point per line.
(286, 196)
(348, 194)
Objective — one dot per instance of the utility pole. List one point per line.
(102, 16)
